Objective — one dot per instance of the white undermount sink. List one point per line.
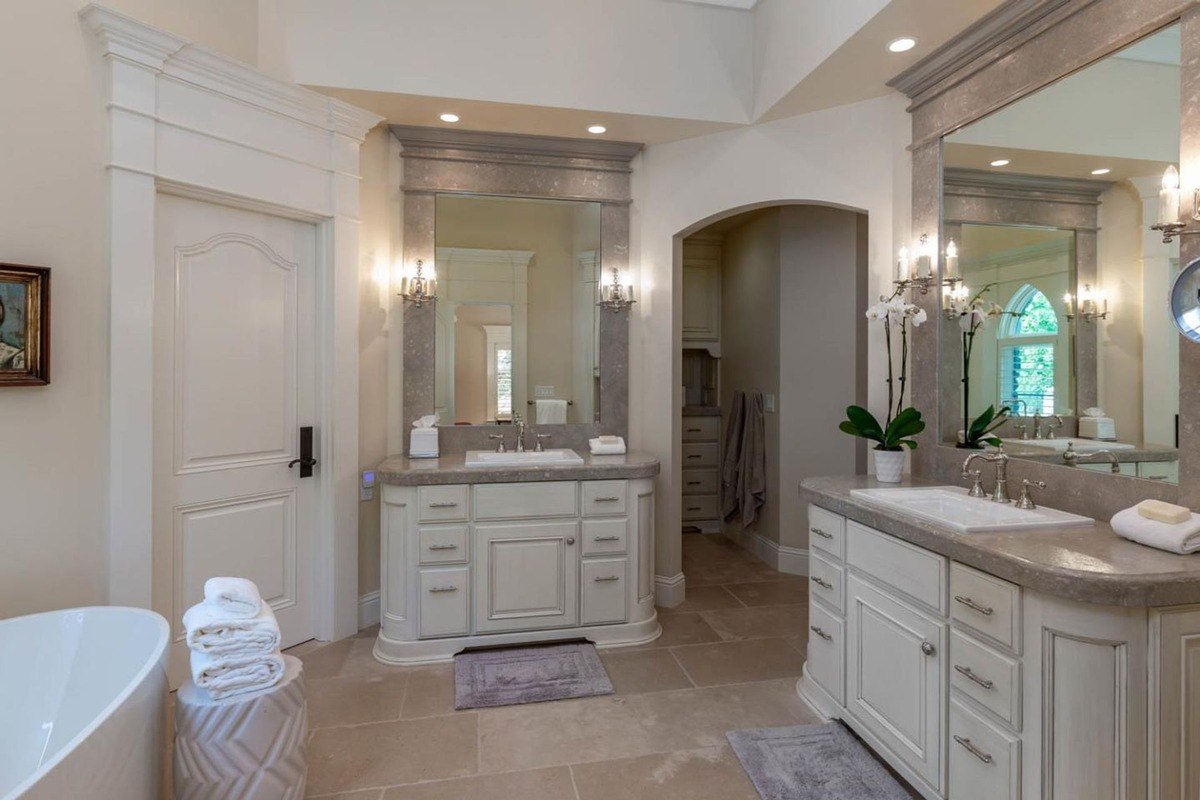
(1060, 445)
(530, 458)
(950, 506)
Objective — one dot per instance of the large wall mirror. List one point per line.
(517, 322)
(1059, 307)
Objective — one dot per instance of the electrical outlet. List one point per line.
(769, 403)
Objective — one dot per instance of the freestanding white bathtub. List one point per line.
(83, 697)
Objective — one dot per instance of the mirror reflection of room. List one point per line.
(1048, 203)
(517, 325)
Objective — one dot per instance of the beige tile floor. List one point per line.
(728, 658)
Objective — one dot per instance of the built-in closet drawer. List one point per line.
(604, 498)
(700, 454)
(445, 602)
(827, 532)
(604, 536)
(914, 571)
(525, 500)
(603, 595)
(443, 544)
(826, 651)
(701, 429)
(985, 762)
(989, 678)
(700, 507)
(442, 503)
(987, 605)
(827, 582)
(701, 481)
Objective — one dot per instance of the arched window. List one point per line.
(1027, 343)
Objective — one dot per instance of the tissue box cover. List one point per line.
(423, 443)
(1097, 428)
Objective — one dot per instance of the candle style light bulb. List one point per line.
(1168, 197)
(902, 265)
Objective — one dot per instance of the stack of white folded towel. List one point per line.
(607, 446)
(234, 639)
(1157, 524)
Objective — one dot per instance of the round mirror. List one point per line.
(1185, 301)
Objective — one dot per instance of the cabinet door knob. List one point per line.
(928, 649)
(571, 540)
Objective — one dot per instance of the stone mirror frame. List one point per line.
(1018, 49)
(438, 162)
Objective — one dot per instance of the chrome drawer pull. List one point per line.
(822, 583)
(606, 538)
(820, 633)
(440, 589)
(971, 604)
(607, 578)
(973, 750)
(443, 505)
(693, 483)
(694, 508)
(967, 673)
(822, 533)
(694, 456)
(606, 499)
(443, 547)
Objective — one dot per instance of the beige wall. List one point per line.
(471, 358)
(1119, 257)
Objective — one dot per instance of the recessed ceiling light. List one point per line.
(596, 129)
(1101, 171)
(902, 45)
(1001, 162)
(449, 117)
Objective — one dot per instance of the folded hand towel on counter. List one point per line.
(600, 447)
(223, 676)
(551, 412)
(211, 631)
(233, 597)
(1182, 537)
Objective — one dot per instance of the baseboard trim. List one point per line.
(789, 560)
(669, 591)
(368, 610)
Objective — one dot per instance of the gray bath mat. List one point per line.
(510, 677)
(813, 762)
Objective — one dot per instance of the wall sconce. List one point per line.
(1093, 305)
(916, 273)
(1169, 207)
(417, 288)
(618, 294)
(954, 298)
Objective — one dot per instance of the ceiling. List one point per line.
(745, 5)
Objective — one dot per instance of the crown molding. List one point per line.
(414, 137)
(1043, 187)
(480, 255)
(1018, 255)
(126, 38)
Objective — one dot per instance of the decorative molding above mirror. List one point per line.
(1011, 55)
(490, 289)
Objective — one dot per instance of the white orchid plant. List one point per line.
(974, 314)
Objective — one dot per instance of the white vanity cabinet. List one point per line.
(473, 565)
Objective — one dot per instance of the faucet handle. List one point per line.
(975, 476)
(1050, 429)
(539, 437)
(1025, 501)
(1023, 427)
(499, 437)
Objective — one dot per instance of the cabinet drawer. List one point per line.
(827, 582)
(604, 536)
(701, 481)
(700, 454)
(987, 605)
(701, 429)
(443, 544)
(990, 679)
(445, 599)
(603, 498)
(918, 573)
(603, 594)
(525, 500)
(442, 503)
(827, 532)
(826, 651)
(701, 507)
(985, 763)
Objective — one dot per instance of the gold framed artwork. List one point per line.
(24, 325)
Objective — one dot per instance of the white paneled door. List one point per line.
(234, 381)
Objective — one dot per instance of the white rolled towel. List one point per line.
(210, 630)
(604, 446)
(235, 597)
(1181, 537)
(225, 676)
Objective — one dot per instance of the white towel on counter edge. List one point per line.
(551, 412)
(210, 630)
(237, 597)
(599, 448)
(1182, 538)
(225, 676)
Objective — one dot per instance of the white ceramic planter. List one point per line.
(889, 465)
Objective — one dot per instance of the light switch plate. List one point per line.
(543, 391)
(366, 489)
(769, 403)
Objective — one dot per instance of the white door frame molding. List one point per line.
(185, 120)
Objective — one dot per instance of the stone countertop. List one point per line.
(404, 471)
(701, 411)
(1139, 453)
(1088, 564)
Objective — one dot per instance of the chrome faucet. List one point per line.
(1037, 424)
(1072, 457)
(499, 439)
(1023, 427)
(1042, 430)
(1000, 459)
(519, 422)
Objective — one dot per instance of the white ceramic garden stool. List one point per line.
(247, 747)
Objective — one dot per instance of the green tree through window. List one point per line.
(1027, 351)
